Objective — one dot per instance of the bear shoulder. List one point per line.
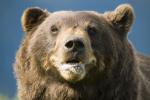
(143, 65)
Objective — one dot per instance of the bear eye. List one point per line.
(91, 30)
(54, 29)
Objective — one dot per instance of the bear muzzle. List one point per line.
(72, 58)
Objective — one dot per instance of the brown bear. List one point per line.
(80, 55)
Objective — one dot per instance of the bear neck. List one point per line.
(116, 87)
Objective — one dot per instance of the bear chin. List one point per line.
(72, 72)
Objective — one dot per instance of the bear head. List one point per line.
(75, 46)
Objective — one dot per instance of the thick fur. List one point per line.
(119, 72)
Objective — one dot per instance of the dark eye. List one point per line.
(54, 29)
(91, 30)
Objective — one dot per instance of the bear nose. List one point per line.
(74, 45)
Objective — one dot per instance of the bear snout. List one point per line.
(74, 50)
(74, 45)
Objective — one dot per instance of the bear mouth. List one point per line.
(72, 70)
(73, 61)
(75, 65)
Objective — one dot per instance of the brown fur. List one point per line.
(114, 71)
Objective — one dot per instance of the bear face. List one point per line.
(78, 50)
(74, 43)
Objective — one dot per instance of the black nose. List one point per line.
(74, 45)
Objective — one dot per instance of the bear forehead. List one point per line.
(75, 17)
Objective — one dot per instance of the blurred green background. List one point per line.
(11, 32)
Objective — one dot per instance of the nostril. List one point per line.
(74, 45)
(79, 44)
(69, 44)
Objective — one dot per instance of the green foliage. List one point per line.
(3, 97)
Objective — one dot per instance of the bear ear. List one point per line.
(32, 17)
(121, 18)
